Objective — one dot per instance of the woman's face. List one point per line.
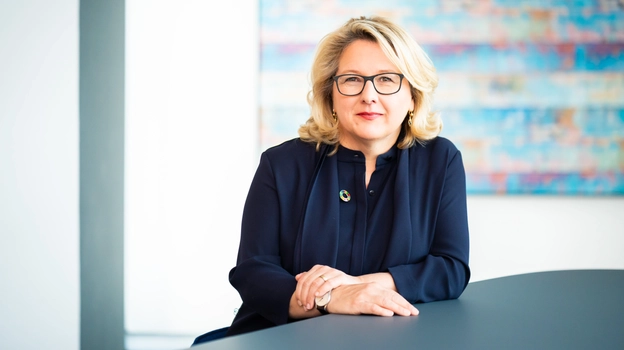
(369, 120)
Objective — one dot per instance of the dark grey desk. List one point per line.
(582, 309)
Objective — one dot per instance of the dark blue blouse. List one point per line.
(362, 223)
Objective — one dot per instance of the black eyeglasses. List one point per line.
(353, 84)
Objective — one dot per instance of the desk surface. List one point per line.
(580, 309)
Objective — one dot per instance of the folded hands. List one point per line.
(373, 294)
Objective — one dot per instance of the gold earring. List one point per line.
(410, 116)
(335, 116)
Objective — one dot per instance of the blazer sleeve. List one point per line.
(444, 272)
(263, 284)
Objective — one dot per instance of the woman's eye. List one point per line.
(352, 79)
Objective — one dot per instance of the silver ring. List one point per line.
(323, 277)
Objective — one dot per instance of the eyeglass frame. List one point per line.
(366, 79)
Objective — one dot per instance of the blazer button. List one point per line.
(371, 192)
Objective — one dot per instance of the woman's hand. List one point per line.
(317, 281)
(373, 294)
(369, 298)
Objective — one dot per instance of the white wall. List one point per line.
(191, 150)
(519, 234)
(39, 227)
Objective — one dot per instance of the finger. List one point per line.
(332, 281)
(330, 278)
(298, 294)
(380, 311)
(315, 284)
(305, 281)
(302, 287)
(414, 311)
(398, 305)
(309, 284)
(321, 280)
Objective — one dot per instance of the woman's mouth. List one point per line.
(369, 115)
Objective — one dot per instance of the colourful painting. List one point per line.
(531, 91)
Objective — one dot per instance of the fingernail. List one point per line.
(308, 306)
(299, 303)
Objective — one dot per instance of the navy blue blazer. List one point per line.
(291, 221)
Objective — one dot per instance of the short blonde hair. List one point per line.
(402, 50)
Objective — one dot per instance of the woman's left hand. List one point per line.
(319, 280)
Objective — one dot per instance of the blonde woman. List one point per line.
(365, 212)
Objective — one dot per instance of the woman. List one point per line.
(365, 212)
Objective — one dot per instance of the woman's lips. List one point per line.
(369, 115)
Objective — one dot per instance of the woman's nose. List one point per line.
(369, 94)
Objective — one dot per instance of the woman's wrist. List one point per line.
(383, 278)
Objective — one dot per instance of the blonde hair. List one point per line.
(401, 50)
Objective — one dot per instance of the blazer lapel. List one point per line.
(401, 235)
(318, 234)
